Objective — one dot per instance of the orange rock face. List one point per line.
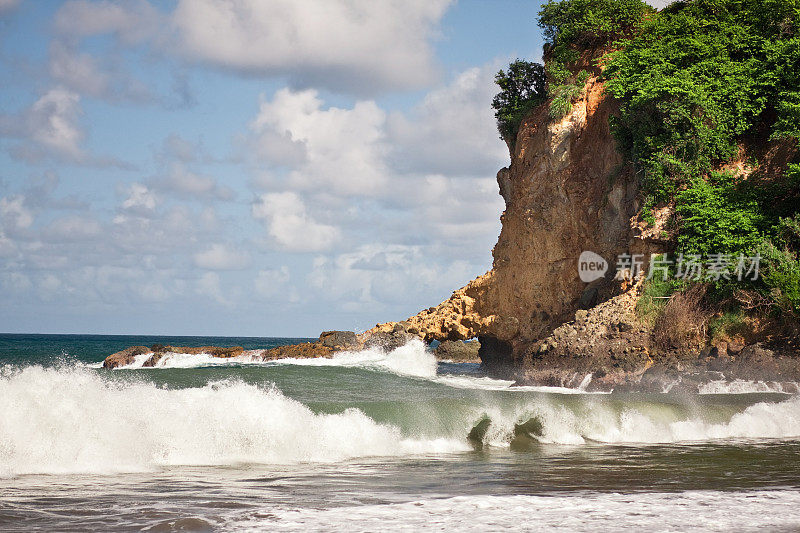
(566, 191)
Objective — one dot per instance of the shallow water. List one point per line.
(372, 441)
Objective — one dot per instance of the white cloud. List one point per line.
(452, 130)
(221, 257)
(51, 122)
(140, 198)
(291, 227)
(343, 147)
(85, 74)
(379, 274)
(72, 228)
(208, 284)
(271, 283)
(50, 128)
(132, 21)
(13, 213)
(357, 45)
(184, 182)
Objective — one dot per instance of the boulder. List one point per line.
(388, 340)
(458, 351)
(124, 357)
(339, 340)
(305, 350)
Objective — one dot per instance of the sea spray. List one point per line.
(74, 420)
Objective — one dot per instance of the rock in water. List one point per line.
(124, 357)
(478, 433)
(458, 351)
(339, 340)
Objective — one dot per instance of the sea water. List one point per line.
(372, 441)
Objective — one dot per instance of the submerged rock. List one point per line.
(124, 357)
(477, 434)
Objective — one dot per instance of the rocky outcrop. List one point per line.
(567, 190)
(329, 343)
(125, 357)
(458, 351)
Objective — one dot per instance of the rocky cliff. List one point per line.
(567, 190)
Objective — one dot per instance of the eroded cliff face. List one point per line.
(566, 191)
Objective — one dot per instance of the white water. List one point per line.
(744, 387)
(678, 512)
(76, 420)
(414, 360)
(73, 420)
(409, 360)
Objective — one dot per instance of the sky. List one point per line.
(247, 167)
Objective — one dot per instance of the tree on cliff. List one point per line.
(521, 89)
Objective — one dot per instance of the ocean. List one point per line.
(373, 441)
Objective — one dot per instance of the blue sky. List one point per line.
(242, 167)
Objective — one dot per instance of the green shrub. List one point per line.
(781, 276)
(716, 216)
(522, 88)
(696, 78)
(588, 22)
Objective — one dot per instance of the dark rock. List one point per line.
(304, 350)
(340, 340)
(496, 355)
(458, 351)
(589, 298)
(388, 341)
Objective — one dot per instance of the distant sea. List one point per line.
(373, 441)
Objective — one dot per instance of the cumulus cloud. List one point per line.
(208, 284)
(72, 228)
(139, 199)
(452, 131)
(272, 282)
(85, 74)
(343, 148)
(290, 225)
(221, 257)
(50, 128)
(182, 181)
(376, 275)
(51, 123)
(14, 215)
(353, 45)
(132, 21)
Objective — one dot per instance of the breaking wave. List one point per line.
(74, 420)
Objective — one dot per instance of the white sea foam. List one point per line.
(73, 420)
(590, 512)
(744, 387)
(409, 360)
(645, 422)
